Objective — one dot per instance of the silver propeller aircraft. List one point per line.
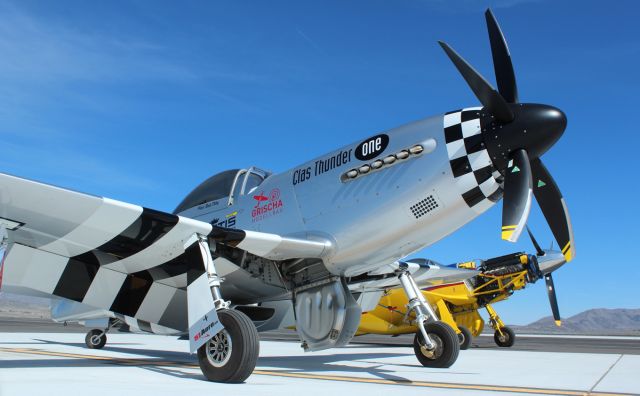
(317, 237)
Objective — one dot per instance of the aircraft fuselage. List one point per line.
(388, 210)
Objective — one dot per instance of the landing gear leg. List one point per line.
(231, 355)
(504, 336)
(436, 343)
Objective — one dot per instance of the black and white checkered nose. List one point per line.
(475, 175)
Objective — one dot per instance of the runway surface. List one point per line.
(524, 342)
(58, 363)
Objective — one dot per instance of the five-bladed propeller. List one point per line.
(516, 135)
(547, 262)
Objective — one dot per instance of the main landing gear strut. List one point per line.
(435, 344)
(231, 355)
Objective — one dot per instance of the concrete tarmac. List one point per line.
(524, 342)
(60, 364)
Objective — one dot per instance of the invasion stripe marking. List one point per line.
(136, 286)
(190, 262)
(108, 220)
(132, 293)
(77, 277)
(278, 373)
(227, 236)
(150, 226)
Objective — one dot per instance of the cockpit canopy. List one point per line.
(230, 183)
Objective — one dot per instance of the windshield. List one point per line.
(215, 187)
(253, 181)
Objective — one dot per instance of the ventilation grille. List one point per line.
(423, 207)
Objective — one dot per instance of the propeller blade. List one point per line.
(554, 208)
(551, 292)
(539, 251)
(486, 94)
(517, 196)
(505, 76)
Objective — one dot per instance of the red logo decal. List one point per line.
(266, 206)
(260, 198)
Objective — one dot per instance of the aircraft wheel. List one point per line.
(465, 338)
(95, 339)
(231, 355)
(447, 346)
(507, 339)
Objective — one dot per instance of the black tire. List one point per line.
(447, 346)
(241, 355)
(465, 338)
(507, 339)
(95, 339)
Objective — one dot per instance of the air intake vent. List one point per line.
(423, 207)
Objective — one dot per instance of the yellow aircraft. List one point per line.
(457, 303)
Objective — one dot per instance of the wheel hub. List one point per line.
(435, 352)
(219, 349)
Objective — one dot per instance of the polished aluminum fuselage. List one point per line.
(369, 218)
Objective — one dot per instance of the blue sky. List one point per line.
(142, 100)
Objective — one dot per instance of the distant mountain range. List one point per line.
(600, 321)
(593, 321)
(17, 306)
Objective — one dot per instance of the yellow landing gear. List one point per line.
(504, 336)
(464, 337)
(457, 304)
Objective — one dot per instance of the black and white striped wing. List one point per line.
(107, 254)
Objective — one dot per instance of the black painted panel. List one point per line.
(77, 277)
(142, 233)
(132, 293)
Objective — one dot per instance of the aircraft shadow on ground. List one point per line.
(172, 363)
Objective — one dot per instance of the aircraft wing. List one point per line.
(270, 246)
(134, 261)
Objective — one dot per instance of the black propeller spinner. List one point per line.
(516, 135)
